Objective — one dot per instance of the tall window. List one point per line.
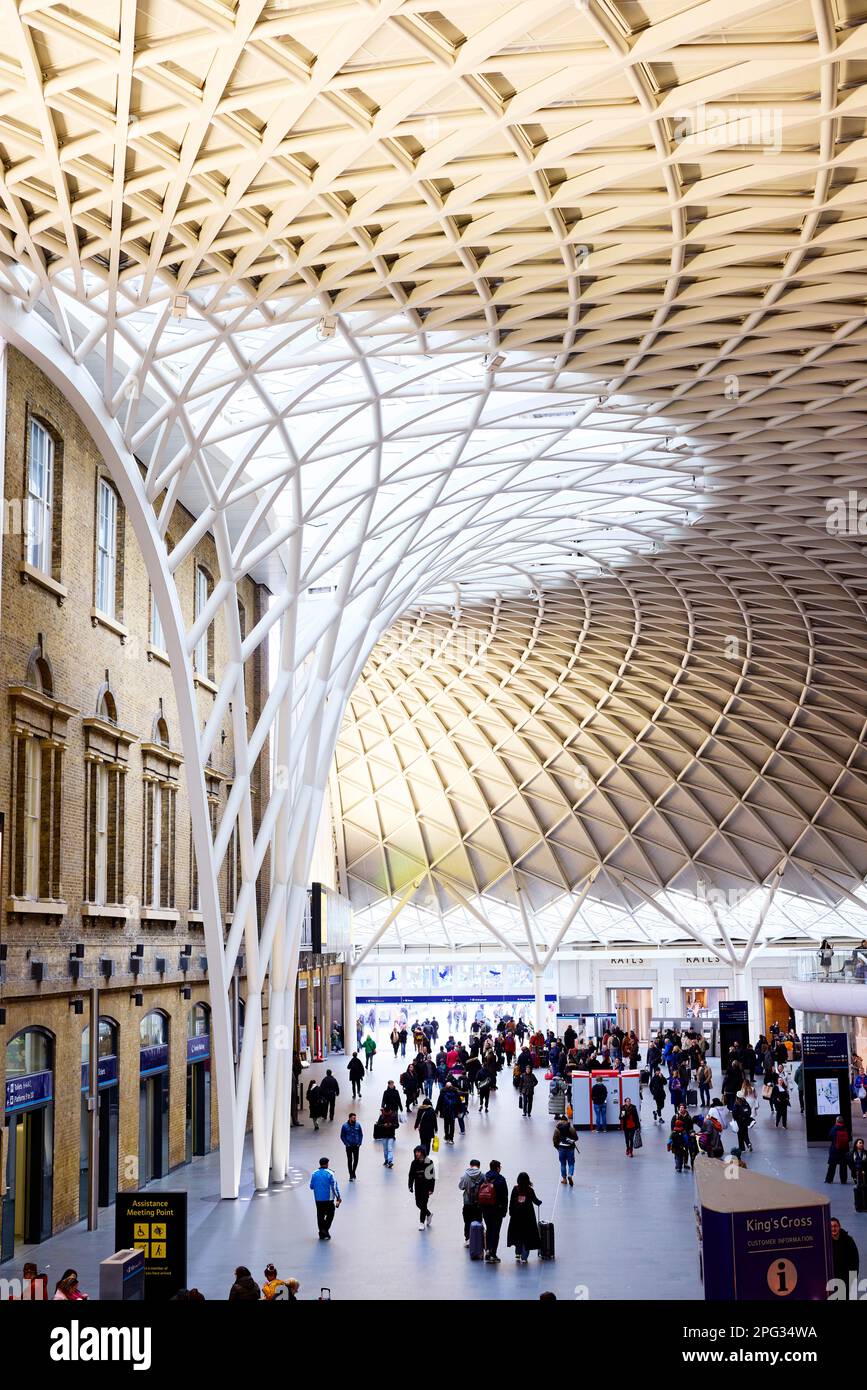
(32, 815)
(201, 656)
(40, 497)
(159, 843)
(106, 549)
(157, 635)
(100, 831)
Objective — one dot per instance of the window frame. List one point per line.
(38, 553)
(105, 586)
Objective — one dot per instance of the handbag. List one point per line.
(862, 1093)
(638, 1142)
(436, 1144)
(767, 1091)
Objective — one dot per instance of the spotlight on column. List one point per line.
(106, 966)
(186, 992)
(77, 1006)
(2, 1017)
(74, 967)
(160, 965)
(180, 305)
(78, 950)
(37, 971)
(184, 963)
(137, 999)
(493, 360)
(187, 950)
(203, 962)
(326, 327)
(135, 964)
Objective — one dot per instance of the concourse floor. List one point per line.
(625, 1230)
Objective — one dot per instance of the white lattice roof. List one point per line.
(594, 276)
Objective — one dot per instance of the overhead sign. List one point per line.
(106, 1073)
(156, 1224)
(24, 1091)
(198, 1048)
(153, 1059)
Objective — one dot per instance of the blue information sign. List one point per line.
(825, 1049)
(153, 1059)
(25, 1091)
(198, 1048)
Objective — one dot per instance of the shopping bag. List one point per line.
(637, 1142)
(436, 1144)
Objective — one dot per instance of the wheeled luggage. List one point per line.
(546, 1240)
(477, 1240)
(643, 1077)
(692, 1097)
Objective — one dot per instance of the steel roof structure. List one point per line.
(537, 330)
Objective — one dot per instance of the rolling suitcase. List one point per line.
(546, 1240)
(692, 1097)
(643, 1077)
(477, 1240)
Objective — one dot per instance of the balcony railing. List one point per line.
(846, 967)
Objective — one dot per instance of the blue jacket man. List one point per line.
(352, 1136)
(327, 1196)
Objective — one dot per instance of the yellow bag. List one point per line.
(436, 1144)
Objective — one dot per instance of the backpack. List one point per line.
(842, 1139)
(487, 1193)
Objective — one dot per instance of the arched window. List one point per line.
(107, 596)
(199, 1021)
(107, 1040)
(39, 673)
(39, 735)
(30, 1051)
(161, 731)
(154, 1029)
(40, 539)
(106, 705)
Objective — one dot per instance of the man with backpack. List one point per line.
(565, 1139)
(493, 1202)
(369, 1052)
(469, 1185)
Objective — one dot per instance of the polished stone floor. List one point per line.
(626, 1229)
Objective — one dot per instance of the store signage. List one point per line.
(198, 1048)
(626, 960)
(156, 1224)
(153, 1058)
(106, 1072)
(825, 1049)
(24, 1091)
(702, 960)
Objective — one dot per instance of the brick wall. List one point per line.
(80, 650)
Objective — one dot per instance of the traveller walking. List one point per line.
(426, 1125)
(742, 1114)
(326, 1194)
(493, 1200)
(369, 1052)
(523, 1232)
(447, 1106)
(705, 1081)
(329, 1090)
(631, 1126)
(566, 1144)
(678, 1146)
(316, 1103)
(838, 1151)
(351, 1136)
(356, 1075)
(469, 1185)
(781, 1102)
(391, 1099)
(385, 1129)
(858, 1167)
(527, 1087)
(422, 1181)
(394, 1039)
(657, 1089)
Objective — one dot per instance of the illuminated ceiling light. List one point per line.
(493, 361)
(180, 305)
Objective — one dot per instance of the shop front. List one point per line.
(153, 1134)
(29, 1141)
(198, 1128)
(108, 1110)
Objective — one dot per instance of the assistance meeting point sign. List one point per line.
(156, 1224)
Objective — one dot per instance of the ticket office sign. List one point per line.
(156, 1224)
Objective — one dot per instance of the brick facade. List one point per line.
(85, 654)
